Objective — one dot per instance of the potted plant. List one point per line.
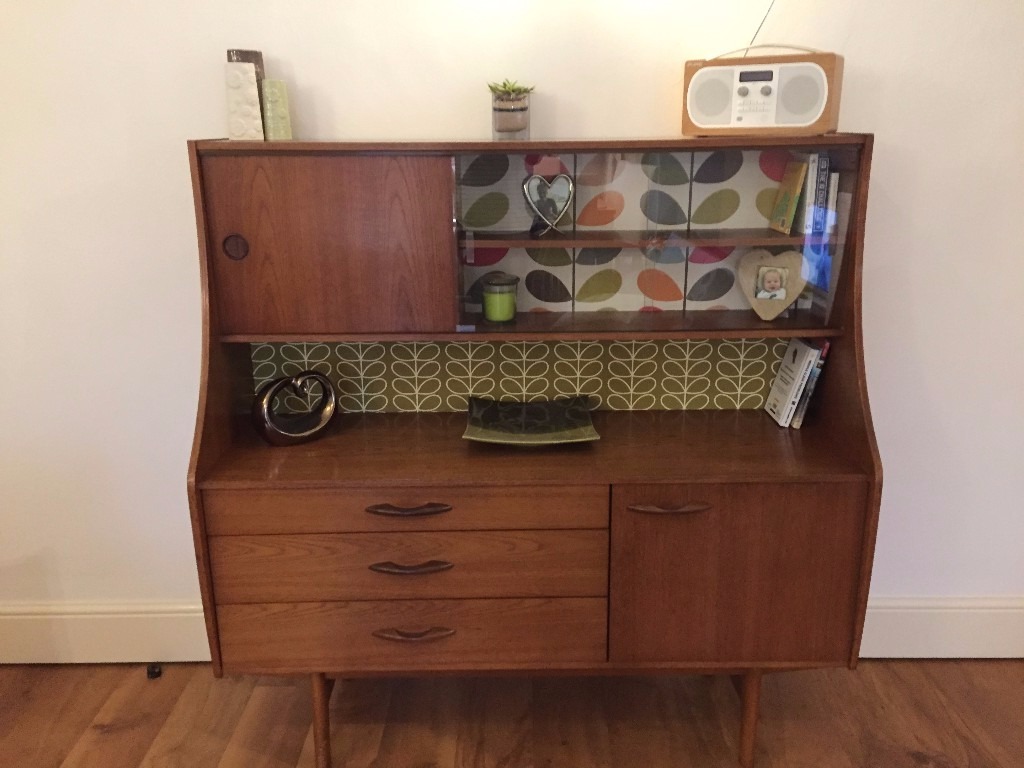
(510, 110)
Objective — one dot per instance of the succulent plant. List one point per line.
(509, 90)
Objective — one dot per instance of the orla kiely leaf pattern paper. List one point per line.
(657, 195)
(389, 377)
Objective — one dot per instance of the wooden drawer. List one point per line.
(456, 634)
(388, 566)
(405, 509)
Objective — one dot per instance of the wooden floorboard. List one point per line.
(898, 714)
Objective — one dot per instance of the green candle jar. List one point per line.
(500, 297)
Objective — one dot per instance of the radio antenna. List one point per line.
(763, 20)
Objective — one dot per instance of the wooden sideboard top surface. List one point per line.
(666, 143)
(635, 447)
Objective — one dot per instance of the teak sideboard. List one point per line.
(704, 541)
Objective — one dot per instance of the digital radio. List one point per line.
(789, 94)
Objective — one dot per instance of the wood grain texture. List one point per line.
(841, 403)
(352, 243)
(768, 573)
(204, 719)
(45, 711)
(214, 147)
(246, 511)
(225, 379)
(357, 241)
(338, 637)
(898, 714)
(373, 450)
(750, 700)
(313, 567)
(322, 687)
(272, 727)
(127, 723)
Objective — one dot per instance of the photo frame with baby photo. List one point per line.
(771, 282)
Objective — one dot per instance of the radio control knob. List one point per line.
(766, 90)
(743, 90)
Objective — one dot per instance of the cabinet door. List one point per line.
(735, 573)
(307, 244)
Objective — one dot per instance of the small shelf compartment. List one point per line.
(646, 233)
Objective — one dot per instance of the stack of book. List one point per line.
(805, 202)
(794, 384)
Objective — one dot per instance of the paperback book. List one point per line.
(794, 369)
(788, 196)
(812, 382)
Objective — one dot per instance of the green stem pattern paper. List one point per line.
(382, 377)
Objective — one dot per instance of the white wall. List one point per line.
(99, 286)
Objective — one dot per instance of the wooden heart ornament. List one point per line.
(549, 199)
(771, 282)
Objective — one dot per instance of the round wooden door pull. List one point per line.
(235, 247)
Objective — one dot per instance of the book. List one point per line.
(805, 210)
(812, 382)
(787, 196)
(817, 249)
(831, 204)
(794, 369)
(820, 206)
(811, 212)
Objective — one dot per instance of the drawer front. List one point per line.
(389, 566)
(405, 509)
(410, 635)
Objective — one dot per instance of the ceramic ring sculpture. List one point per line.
(298, 428)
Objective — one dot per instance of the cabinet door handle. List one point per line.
(235, 247)
(686, 509)
(431, 566)
(390, 510)
(407, 636)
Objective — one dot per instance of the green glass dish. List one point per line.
(546, 422)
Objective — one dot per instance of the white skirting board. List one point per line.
(81, 633)
(944, 628)
(76, 633)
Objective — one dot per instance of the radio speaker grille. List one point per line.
(801, 99)
(711, 98)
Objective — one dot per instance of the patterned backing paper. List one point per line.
(657, 193)
(618, 375)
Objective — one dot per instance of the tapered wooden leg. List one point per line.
(750, 695)
(322, 687)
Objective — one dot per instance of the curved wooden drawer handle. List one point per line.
(420, 569)
(686, 509)
(407, 636)
(390, 510)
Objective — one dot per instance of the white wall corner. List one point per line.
(80, 633)
(944, 628)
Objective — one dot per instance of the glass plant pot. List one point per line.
(510, 118)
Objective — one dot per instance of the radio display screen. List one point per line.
(756, 76)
